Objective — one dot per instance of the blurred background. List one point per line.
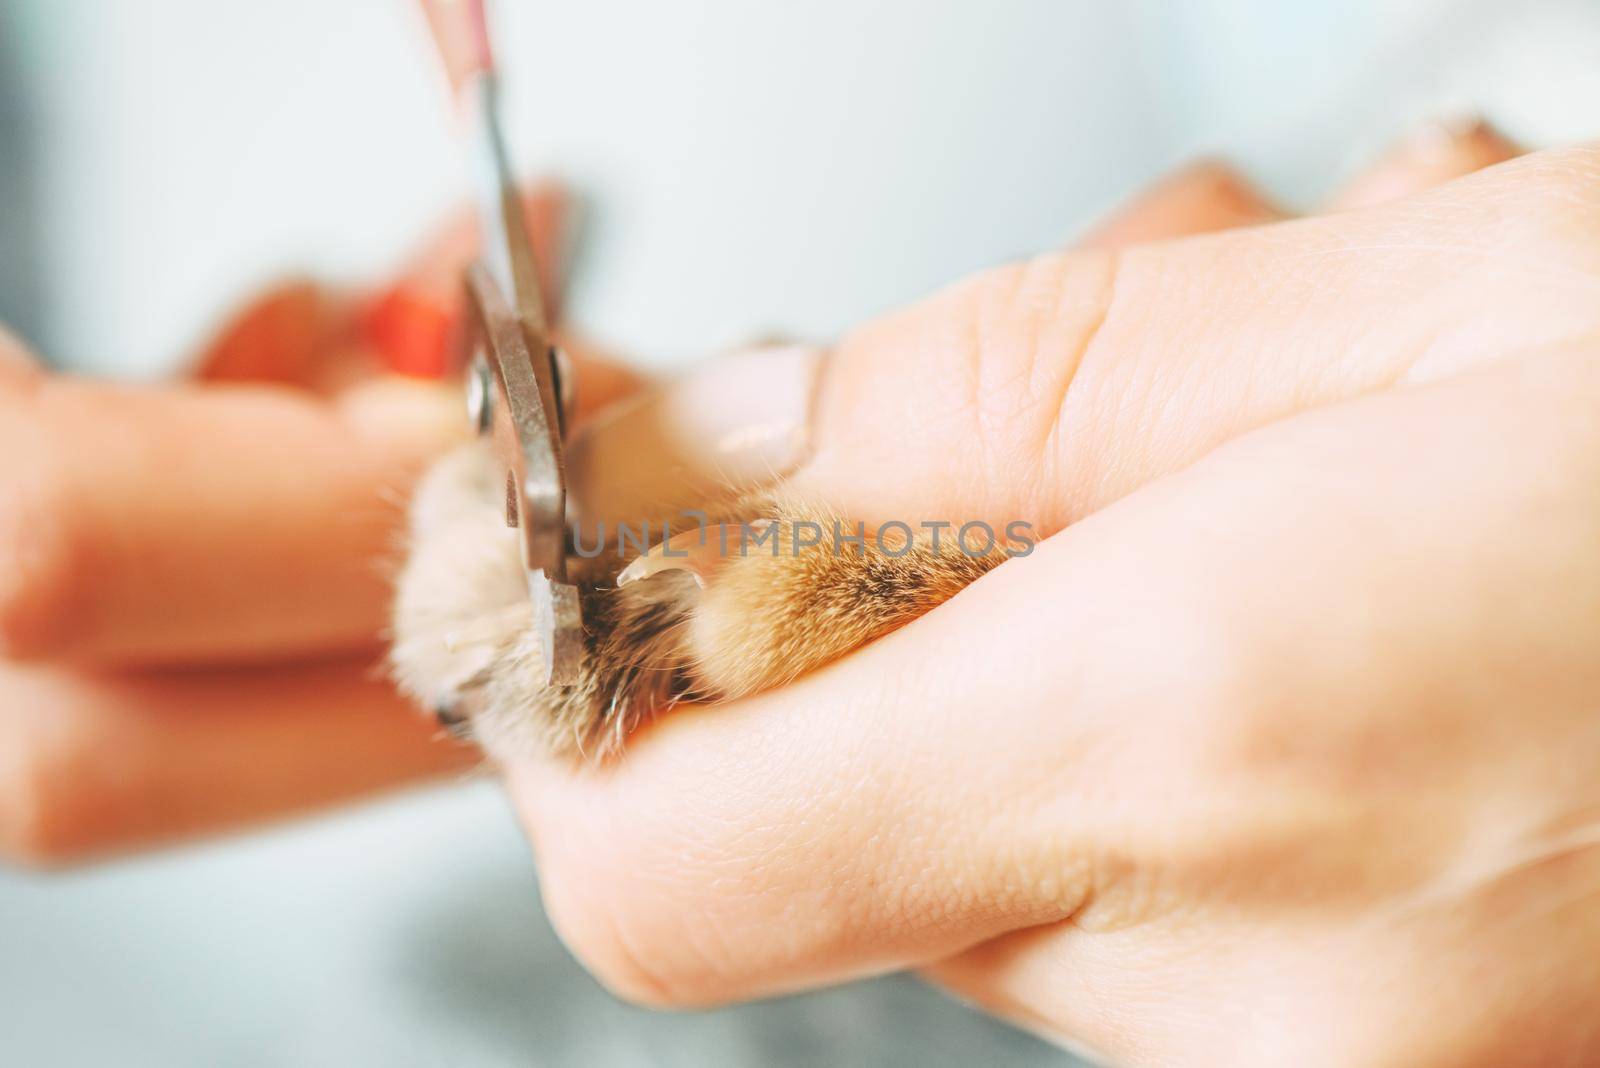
(748, 167)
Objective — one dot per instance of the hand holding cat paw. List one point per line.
(1281, 746)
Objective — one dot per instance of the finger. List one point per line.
(284, 335)
(434, 270)
(415, 324)
(96, 764)
(1199, 199)
(736, 422)
(144, 524)
(302, 333)
(1432, 156)
(897, 807)
(1098, 731)
(1442, 534)
(743, 418)
(602, 378)
(669, 451)
(1045, 390)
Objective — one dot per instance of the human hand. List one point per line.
(194, 577)
(1280, 750)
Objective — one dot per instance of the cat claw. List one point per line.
(702, 552)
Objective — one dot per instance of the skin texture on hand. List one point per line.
(1281, 752)
(1280, 749)
(141, 569)
(194, 577)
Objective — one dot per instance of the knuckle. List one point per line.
(632, 949)
(633, 917)
(593, 937)
(989, 362)
(1215, 710)
(1032, 327)
(35, 844)
(39, 827)
(42, 566)
(1272, 720)
(1244, 725)
(1550, 202)
(1034, 322)
(688, 909)
(17, 366)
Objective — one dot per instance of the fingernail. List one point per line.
(734, 423)
(278, 337)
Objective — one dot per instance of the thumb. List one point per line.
(1047, 389)
(1044, 390)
